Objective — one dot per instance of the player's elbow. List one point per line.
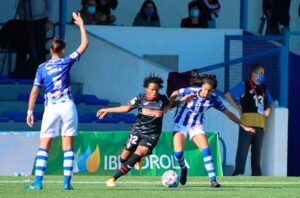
(227, 95)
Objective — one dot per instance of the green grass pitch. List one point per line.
(150, 187)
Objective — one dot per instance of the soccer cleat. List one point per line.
(34, 186)
(215, 184)
(111, 182)
(139, 165)
(68, 187)
(183, 176)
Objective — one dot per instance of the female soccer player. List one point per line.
(60, 112)
(147, 128)
(189, 119)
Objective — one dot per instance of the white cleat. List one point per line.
(111, 182)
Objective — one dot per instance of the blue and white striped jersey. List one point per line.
(192, 113)
(54, 75)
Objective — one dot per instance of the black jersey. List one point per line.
(145, 124)
(253, 100)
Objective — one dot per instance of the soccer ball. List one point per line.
(170, 179)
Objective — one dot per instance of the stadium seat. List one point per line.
(21, 118)
(126, 117)
(25, 81)
(38, 115)
(25, 97)
(78, 98)
(13, 114)
(109, 119)
(89, 99)
(4, 118)
(87, 118)
(8, 81)
(93, 100)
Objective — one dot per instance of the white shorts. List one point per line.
(59, 117)
(192, 131)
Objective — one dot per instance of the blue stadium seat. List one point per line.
(89, 99)
(87, 118)
(22, 118)
(93, 100)
(78, 98)
(126, 117)
(25, 97)
(4, 118)
(38, 115)
(17, 116)
(13, 114)
(25, 81)
(109, 119)
(8, 81)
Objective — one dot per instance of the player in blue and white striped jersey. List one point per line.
(60, 112)
(189, 119)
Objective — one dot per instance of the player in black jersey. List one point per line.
(147, 128)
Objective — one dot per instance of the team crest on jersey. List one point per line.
(206, 104)
(133, 101)
(251, 91)
(146, 103)
(73, 55)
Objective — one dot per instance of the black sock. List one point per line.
(122, 161)
(127, 166)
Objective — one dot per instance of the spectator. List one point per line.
(38, 16)
(255, 106)
(147, 16)
(195, 19)
(277, 14)
(180, 80)
(209, 10)
(90, 14)
(105, 7)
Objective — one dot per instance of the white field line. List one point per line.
(155, 183)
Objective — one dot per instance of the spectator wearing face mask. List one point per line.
(195, 18)
(147, 16)
(90, 14)
(105, 7)
(254, 108)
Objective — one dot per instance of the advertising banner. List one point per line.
(97, 153)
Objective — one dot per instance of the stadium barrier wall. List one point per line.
(275, 145)
(97, 153)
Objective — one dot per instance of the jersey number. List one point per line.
(133, 139)
(57, 83)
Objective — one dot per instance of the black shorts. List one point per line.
(135, 140)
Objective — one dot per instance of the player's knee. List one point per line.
(178, 155)
(122, 160)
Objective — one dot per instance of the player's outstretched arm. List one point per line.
(232, 117)
(32, 98)
(84, 39)
(232, 102)
(102, 112)
(172, 99)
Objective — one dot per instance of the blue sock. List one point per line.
(209, 164)
(180, 159)
(68, 165)
(40, 164)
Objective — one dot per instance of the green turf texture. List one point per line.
(144, 187)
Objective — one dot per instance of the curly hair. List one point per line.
(153, 78)
(210, 79)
